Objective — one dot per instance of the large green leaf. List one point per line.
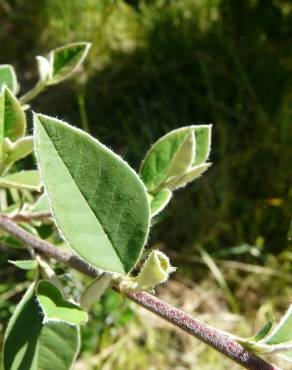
(65, 60)
(12, 118)
(99, 202)
(8, 77)
(26, 180)
(55, 307)
(30, 345)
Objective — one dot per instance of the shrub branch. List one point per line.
(211, 336)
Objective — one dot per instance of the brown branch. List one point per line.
(211, 336)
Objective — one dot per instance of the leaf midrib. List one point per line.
(85, 198)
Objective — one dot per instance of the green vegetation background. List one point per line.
(157, 65)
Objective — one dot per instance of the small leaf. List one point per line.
(176, 153)
(65, 60)
(183, 158)
(156, 270)
(188, 177)
(263, 332)
(44, 68)
(42, 204)
(12, 117)
(282, 333)
(99, 202)
(8, 78)
(25, 264)
(158, 201)
(23, 180)
(95, 290)
(13, 152)
(203, 143)
(155, 167)
(29, 345)
(19, 149)
(55, 307)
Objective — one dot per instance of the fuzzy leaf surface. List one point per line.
(55, 307)
(66, 60)
(98, 201)
(159, 201)
(8, 77)
(183, 157)
(158, 160)
(189, 176)
(282, 333)
(12, 117)
(30, 345)
(25, 180)
(203, 143)
(13, 152)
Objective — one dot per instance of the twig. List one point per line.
(20, 217)
(211, 336)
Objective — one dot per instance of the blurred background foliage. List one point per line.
(154, 66)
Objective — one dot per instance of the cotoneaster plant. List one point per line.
(103, 210)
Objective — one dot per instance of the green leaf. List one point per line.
(99, 202)
(175, 154)
(263, 332)
(155, 270)
(282, 333)
(158, 201)
(189, 176)
(24, 180)
(8, 77)
(58, 346)
(13, 152)
(95, 290)
(30, 345)
(42, 204)
(156, 164)
(12, 117)
(203, 143)
(55, 307)
(184, 156)
(65, 60)
(25, 264)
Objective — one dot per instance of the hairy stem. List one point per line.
(36, 90)
(211, 336)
